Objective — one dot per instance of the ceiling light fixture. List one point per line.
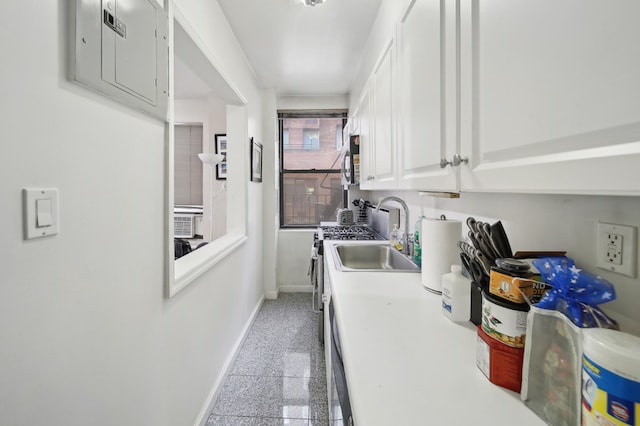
(312, 3)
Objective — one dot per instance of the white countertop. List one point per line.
(406, 363)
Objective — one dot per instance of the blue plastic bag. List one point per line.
(575, 293)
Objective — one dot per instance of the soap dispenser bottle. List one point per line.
(395, 238)
(417, 249)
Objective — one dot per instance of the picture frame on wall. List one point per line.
(221, 148)
(256, 161)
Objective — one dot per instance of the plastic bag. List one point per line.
(552, 371)
(575, 293)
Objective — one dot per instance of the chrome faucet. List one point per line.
(405, 238)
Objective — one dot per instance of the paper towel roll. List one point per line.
(439, 250)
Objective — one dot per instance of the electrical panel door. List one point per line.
(121, 50)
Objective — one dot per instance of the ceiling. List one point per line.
(300, 50)
(187, 85)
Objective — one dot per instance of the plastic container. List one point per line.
(503, 320)
(501, 363)
(610, 378)
(456, 296)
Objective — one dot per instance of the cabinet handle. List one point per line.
(457, 160)
(370, 178)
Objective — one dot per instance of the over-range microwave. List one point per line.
(350, 160)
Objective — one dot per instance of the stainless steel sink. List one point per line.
(372, 257)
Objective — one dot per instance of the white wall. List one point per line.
(270, 182)
(294, 253)
(336, 102)
(87, 336)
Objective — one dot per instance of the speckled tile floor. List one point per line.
(278, 377)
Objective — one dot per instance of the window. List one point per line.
(188, 167)
(310, 168)
(219, 107)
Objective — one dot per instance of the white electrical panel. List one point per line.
(120, 49)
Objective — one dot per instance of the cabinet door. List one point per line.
(383, 139)
(427, 94)
(364, 129)
(550, 96)
(354, 120)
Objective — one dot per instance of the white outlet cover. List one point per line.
(629, 248)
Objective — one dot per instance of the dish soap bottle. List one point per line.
(417, 249)
(395, 238)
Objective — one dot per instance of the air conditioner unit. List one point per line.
(184, 225)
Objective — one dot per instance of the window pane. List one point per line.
(310, 198)
(310, 143)
(187, 165)
(311, 139)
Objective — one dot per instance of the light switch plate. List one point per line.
(32, 227)
(616, 248)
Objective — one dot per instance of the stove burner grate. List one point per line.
(348, 232)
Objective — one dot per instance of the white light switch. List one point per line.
(43, 213)
(40, 210)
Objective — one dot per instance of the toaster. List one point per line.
(345, 217)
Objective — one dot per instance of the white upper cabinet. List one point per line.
(509, 96)
(363, 128)
(427, 95)
(550, 96)
(383, 141)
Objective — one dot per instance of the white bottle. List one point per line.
(456, 295)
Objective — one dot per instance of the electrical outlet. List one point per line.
(616, 248)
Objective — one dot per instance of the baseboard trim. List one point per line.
(272, 295)
(203, 416)
(296, 289)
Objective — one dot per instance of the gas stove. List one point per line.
(347, 232)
